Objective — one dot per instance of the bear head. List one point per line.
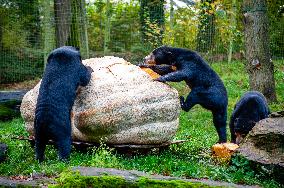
(161, 55)
(242, 127)
(65, 54)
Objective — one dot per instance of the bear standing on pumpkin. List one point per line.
(207, 89)
(63, 74)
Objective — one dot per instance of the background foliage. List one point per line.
(126, 29)
(129, 29)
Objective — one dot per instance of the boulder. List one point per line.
(133, 177)
(264, 145)
(10, 102)
(121, 105)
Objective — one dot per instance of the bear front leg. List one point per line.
(232, 129)
(85, 76)
(144, 65)
(162, 69)
(177, 76)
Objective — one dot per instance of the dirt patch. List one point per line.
(26, 85)
(24, 181)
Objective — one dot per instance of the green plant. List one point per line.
(8, 111)
(74, 179)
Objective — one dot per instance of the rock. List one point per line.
(264, 145)
(12, 95)
(120, 105)
(132, 177)
(108, 176)
(277, 114)
(3, 152)
(10, 102)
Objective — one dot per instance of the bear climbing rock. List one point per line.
(251, 108)
(207, 89)
(63, 74)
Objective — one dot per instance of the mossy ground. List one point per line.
(74, 179)
(192, 159)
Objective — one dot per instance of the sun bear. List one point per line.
(251, 108)
(207, 89)
(63, 74)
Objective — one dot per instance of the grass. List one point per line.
(6, 110)
(192, 159)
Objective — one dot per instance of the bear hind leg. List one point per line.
(40, 145)
(41, 139)
(219, 120)
(64, 148)
(191, 100)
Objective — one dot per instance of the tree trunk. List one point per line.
(259, 65)
(1, 31)
(63, 15)
(234, 24)
(74, 36)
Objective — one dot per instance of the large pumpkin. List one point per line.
(121, 105)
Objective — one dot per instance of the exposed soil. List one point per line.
(26, 85)
(26, 181)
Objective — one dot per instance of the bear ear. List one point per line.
(165, 47)
(169, 55)
(49, 58)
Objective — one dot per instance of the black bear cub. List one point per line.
(251, 108)
(207, 89)
(63, 74)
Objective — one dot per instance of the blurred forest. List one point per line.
(30, 29)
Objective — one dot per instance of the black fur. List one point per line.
(207, 89)
(63, 74)
(3, 152)
(251, 108)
